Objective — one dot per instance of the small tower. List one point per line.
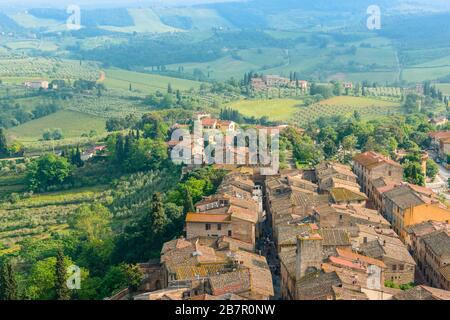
(309, 254)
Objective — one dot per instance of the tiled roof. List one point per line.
(352, 256)
(233, 244)
(287, 233)
(243, 214)
(288, 259)
(359, 212)
(317, 285)
(426, 227)
(231, 282)
(349, 276)
(395, 251)
(338, 181)
(208, 121)
(346, 195)
(384, 184)
(207, 217)
(326, 169)
(348, 294)
(175, 244)
(335, 237)
(191, 261)
(404, 197)
(372, 159)
(438, 242)
(445, 272)
(439, 134)
(346, 263)
(423, 293)
(260, 275)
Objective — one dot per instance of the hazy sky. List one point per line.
(59, 3)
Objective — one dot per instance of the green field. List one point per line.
(357, 102)
(41, 214)
(32, 45)
(276, 109)
(72, 123)
(27, 20)
(145, 20)
(444, 87)
(146, 83)
(346, 106)
(18, 70)
(201, 18)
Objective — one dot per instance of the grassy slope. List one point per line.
(444, 87)
(357, 102)
(430, 70)
(202, 18)
(276, 109)
(292, 110)
(73, 124)
(41, 214)
(121, 79)
(368, 108)
(145, 20)
(29, 21)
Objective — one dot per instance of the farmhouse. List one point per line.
(36, 84)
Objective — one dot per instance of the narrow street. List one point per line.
(439, 185)
(267, 248)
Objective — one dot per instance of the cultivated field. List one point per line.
(40, 215)
(21, 69)
(72, 123)
(145, 83)
(368, 108)
(276, 109)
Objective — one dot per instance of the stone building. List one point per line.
(370, 165)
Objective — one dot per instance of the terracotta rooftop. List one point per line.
(439, 134)
(287, 233)
(404, 197)
(208, 121)
(352, 256)
(231, 282)
(207, 217)
(317, 285)
(346, 195)
(335, 237)
(426, 227)
(423, 293)
(175, 244)
(346, 263)
(341, 293)
(243, 214)
(445, 272)
(438, 242)
(372, 159)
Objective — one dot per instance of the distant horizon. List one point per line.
(21, 4)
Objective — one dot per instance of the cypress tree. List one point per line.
(78, 161)
(3, 144)
(119, 152)
(159, 219)
(8, 283)
(188, 203)
(62, 292)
